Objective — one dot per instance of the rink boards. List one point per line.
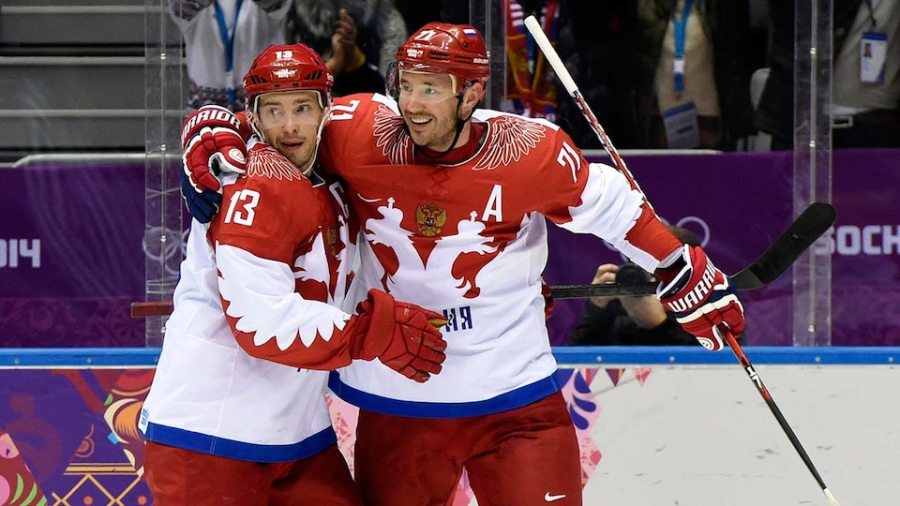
(656, 425)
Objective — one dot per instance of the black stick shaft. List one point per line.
(764, 392)
(800, 235)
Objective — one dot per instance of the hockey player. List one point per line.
(230, 419)
(452, 202)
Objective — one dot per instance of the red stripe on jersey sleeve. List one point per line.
(651, 235)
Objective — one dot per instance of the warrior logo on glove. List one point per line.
(701, 297)
(699, 293)
(208, 116)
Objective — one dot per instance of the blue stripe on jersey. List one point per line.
(513, 399)
(212, 445)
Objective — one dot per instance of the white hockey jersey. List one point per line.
(470, 240)
(258, 286)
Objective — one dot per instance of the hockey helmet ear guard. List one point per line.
(392, 81)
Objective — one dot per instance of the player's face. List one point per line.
(428, 104)
(290, 122)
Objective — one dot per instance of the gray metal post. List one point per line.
(489, 17)
(812, 165)
(164, 99)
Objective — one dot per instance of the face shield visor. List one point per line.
(421, 86)
(278, 113)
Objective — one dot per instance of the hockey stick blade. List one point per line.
(803, 232)
(809, 226)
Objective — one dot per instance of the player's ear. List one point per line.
(471, 98)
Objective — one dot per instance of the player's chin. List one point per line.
(420, 139)
(300, 158)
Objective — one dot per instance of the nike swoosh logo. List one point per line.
(551, 498)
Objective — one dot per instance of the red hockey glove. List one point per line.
(403, 336)
(213, 142)
(701, 297)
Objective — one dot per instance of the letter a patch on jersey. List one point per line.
(494, 205)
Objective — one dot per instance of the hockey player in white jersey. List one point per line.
(452, 203)
(230, 419)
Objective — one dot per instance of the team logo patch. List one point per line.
(266, 161)
(430, 219)
(285, 73)
(513, 138)
(391, 137)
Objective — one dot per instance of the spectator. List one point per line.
(417, 12)
(380, 27)
(596, 41)
(335, 35)
(531, 84)
(707, 103)
(221, 39)
(642, 320)
(866, 90)
(621, 55)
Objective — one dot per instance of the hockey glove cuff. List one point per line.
(701, 297)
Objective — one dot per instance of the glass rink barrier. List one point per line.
(70, 271)
(662, 425)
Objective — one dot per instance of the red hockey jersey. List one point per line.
(470, 240)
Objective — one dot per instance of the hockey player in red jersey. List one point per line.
(230, 419)
(452, 203)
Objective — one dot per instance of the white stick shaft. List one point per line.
(552, 58)
(563, 74)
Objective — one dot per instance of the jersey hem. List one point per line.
(508, 401)
(222, 447)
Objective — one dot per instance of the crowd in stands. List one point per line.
(657, 73)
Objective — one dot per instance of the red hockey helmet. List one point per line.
(289, 67)
(444, 48)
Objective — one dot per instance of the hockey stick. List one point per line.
(812, 223)
(569, 84)
(803, 232)
(764, 392)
